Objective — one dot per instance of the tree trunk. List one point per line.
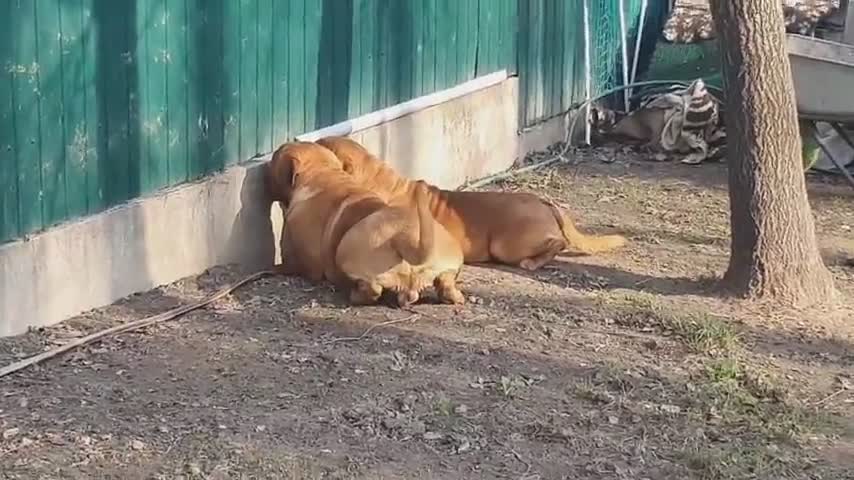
(774, 252)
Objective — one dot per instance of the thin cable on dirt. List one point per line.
(133, 325)
(373, 327)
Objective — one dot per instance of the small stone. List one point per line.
(137, 445)
(10, 433)
(673, 409)
(461, 409)
(417, 427)
(194, 469)
(432, 436)
(260, 428)
(613, 420)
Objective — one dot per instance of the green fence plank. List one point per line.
(484, 61)
(176, 91)
(78, 147)
(132, 65)
(197, 16)
(8, 167)
(354, 91)
(248, 79)
(155, 124)
(141, 114)
(50, 78)
(510, 41)
(326, 68)
(26, 113)
(112, 19)
(416, 13)
(214, 84)
(444, 33)
(295, 32)
(407, 50)
(386, 46)
(265, 76)
(232, 49)
(313, 21)
(429, 18)
(367, 32)
(342, 59)
(281, 48)
(89, 44)
(551, 43)
(468, 24)
(522, 62)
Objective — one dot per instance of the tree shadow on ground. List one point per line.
(568, 274)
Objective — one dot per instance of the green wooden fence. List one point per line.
(102, 101)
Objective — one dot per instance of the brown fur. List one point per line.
(337, 230)
(508, 227)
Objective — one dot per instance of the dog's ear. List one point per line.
(282, 174)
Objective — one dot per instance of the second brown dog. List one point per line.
(513, 228)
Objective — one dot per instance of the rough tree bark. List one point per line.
(774, 253)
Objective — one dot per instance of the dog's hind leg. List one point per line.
(365, 293)
(446, 288)
(530, 250)
(550, 248)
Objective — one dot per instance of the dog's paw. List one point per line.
(452, 297)
(407, 298)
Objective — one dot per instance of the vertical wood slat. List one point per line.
(175, 60)
(248, 46)
(231, 95)
(156, 124)
(26, 116)
(312, 26)
(295, 32)
(8, 166)
(211, 43)
(264, 138)
(51, 128)
(280, 49)
(198, 148)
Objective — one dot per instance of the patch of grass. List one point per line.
(444, 407)
(741, 461)
(587, 390)
(743, 397)
(700, 331)
(724, 370)
(510, 386)
(704, 333)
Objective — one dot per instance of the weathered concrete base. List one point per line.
(546, 134)
(227, 218)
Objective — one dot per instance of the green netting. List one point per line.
(685, 62)
(607, 38)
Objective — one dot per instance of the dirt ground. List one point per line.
(627, 365)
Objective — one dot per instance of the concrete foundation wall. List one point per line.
(227, 218)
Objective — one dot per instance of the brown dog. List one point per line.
(508, 227)
(339, 231)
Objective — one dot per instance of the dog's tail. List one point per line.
(587, 244)
(417, 252)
